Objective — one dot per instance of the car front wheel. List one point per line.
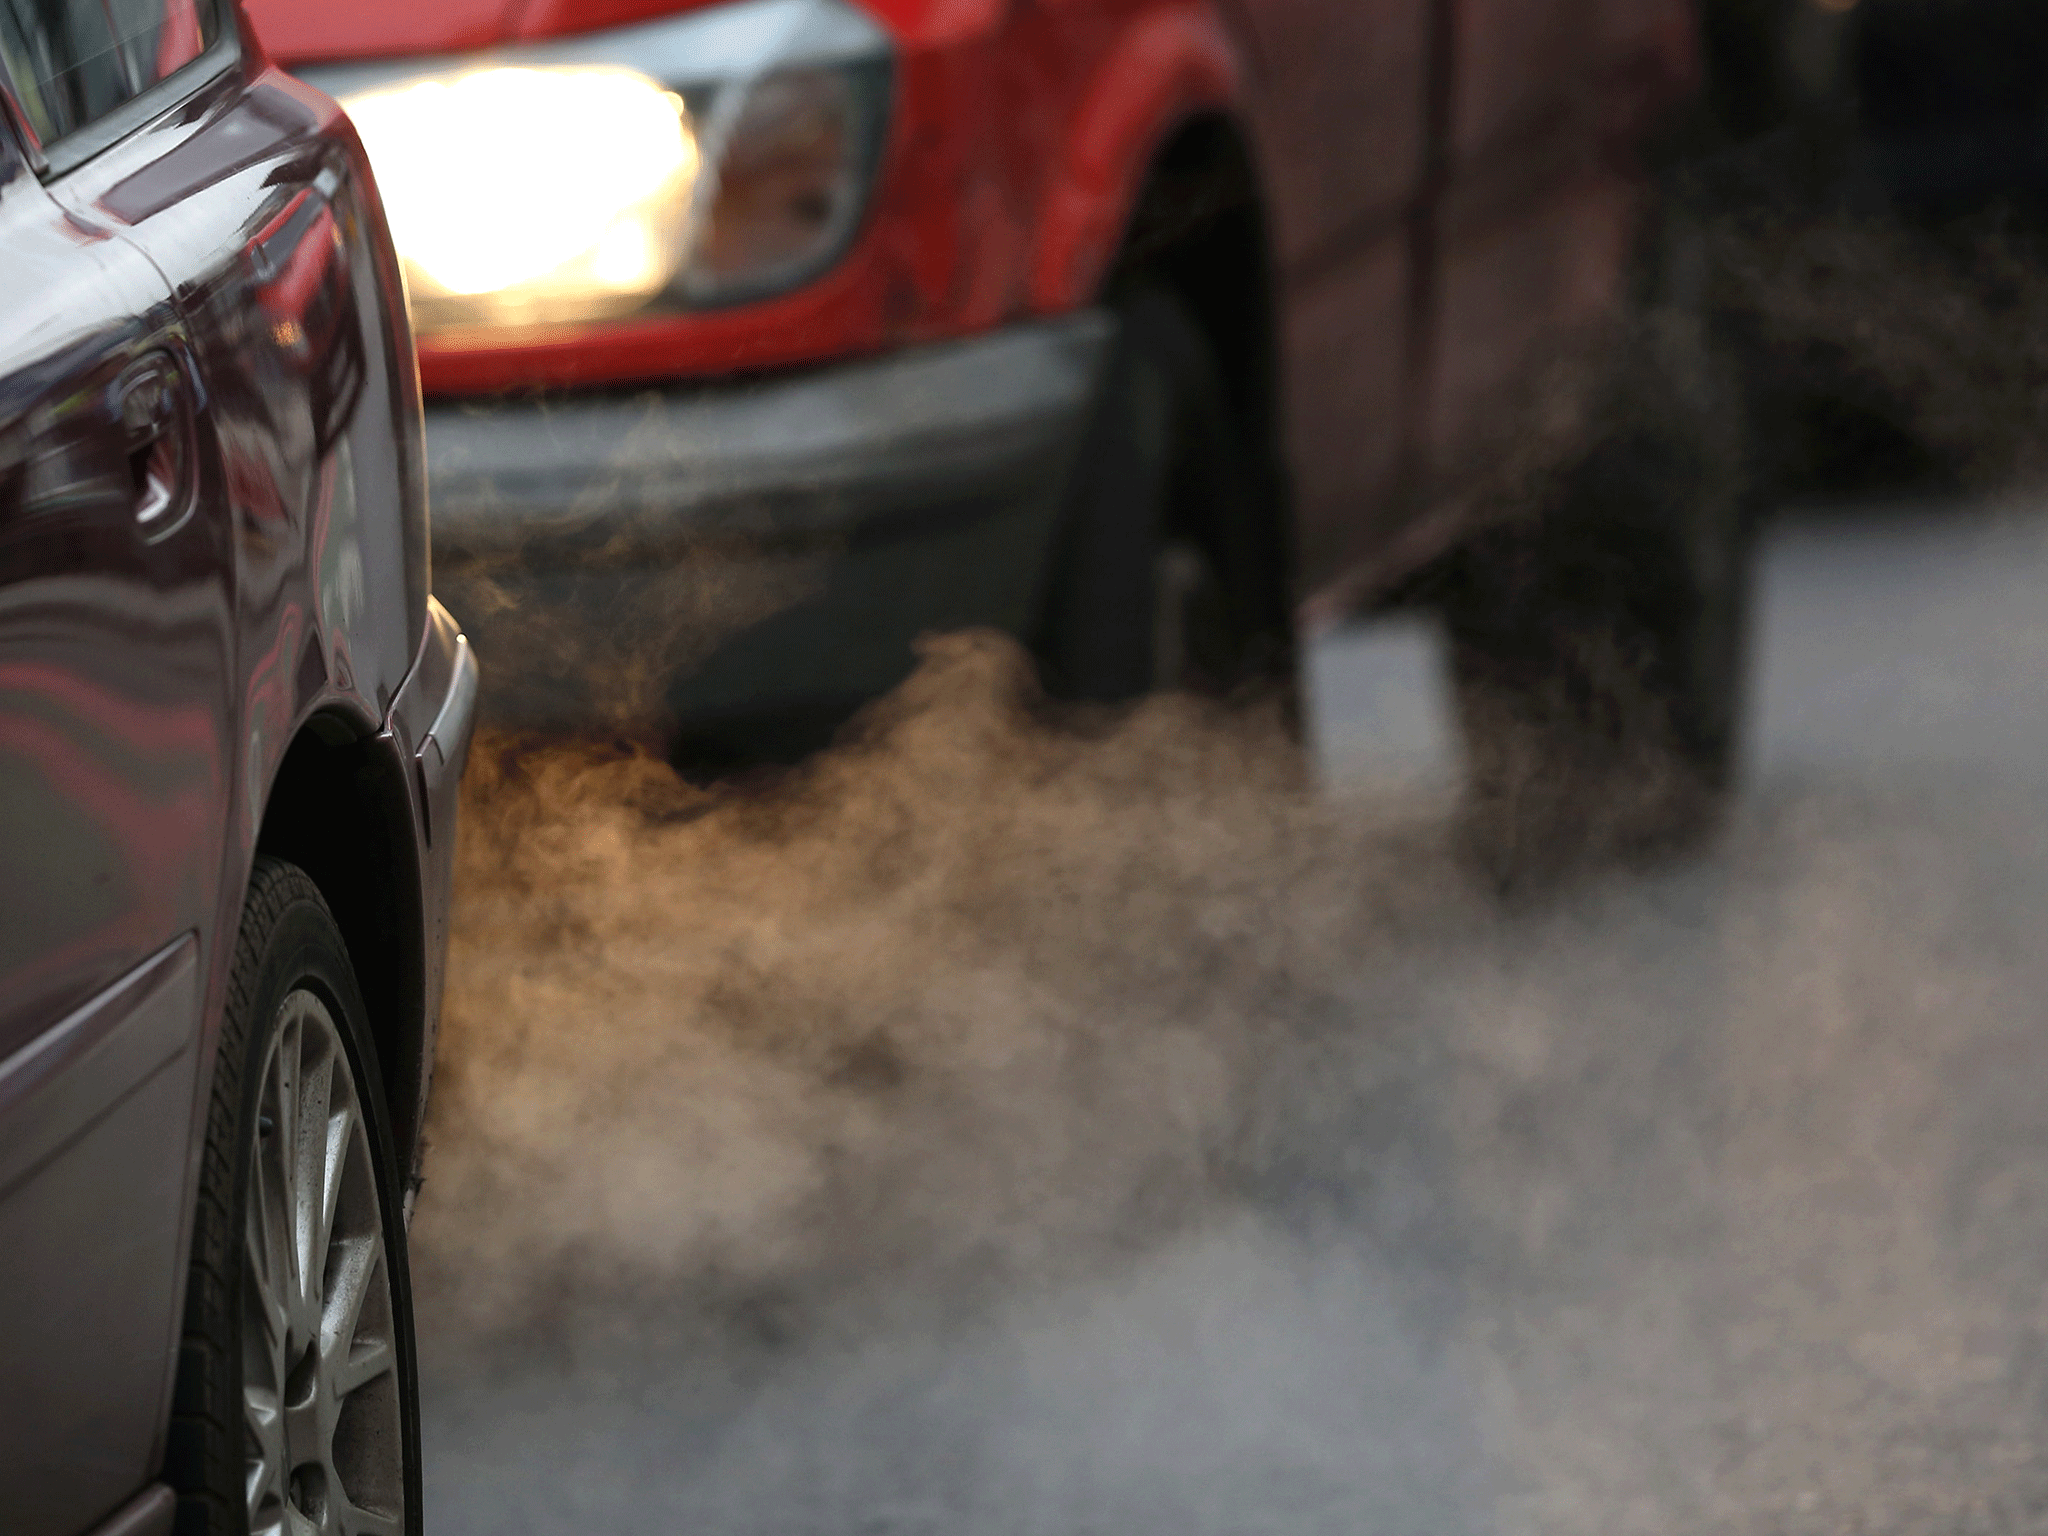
(297, 1402)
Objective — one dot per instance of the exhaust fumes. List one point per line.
(1026, 1122)
(999, 1126)
(958, 916)
(912, 1093)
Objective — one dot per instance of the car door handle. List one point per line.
(157, 422)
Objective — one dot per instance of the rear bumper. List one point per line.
(693, 554)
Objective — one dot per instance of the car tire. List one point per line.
(1599, 644)
(1168, 571)
(296, 1396)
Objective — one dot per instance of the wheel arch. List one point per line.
(341, 808)
(1199, 227)
(1168, 66)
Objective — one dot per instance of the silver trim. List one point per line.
(450, 732)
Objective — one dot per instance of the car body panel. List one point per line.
(149, 1513)
(298, 351)
(1348, 236)
(255, 203)
(94, 1119)
(1306, 111)
(115, 760)
(212, 543)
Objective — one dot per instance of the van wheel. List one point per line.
(1599, 647)
(296, 1407)
(1168, 571)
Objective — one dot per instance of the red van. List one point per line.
(761, 336)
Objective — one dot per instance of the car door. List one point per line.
(116, 653)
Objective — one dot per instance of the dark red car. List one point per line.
(761, 335)
(231, 723)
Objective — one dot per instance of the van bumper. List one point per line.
(699, 556)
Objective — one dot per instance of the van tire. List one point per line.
(1168, 571)
(1599, 642)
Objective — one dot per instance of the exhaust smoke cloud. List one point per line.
(1008, 1124)
(998, 1127)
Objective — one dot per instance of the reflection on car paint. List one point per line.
(203, 356)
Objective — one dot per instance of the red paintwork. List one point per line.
(286, 296)
(369, 29)
(1159, 70)
(1486, 137)
(178, 41)
(299, 31)
(974, 222)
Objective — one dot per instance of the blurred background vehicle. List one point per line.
(1932, 105)
(231, 723)
(761, 337)
(1949, 98)
(1871, 173)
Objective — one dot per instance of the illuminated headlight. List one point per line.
(503, 210)
(707, 159)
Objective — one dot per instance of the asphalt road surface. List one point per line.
(1006, 1136)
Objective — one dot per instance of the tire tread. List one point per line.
(202, 1449)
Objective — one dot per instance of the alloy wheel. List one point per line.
(324, 1447)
